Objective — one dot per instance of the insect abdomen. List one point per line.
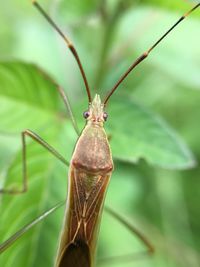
(76, 255)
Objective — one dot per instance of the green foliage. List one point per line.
(163, 202)
(149, 138)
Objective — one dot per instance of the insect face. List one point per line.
(96, 114)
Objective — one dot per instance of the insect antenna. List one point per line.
(145, 55)
(69, 44)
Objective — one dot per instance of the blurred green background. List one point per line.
(153, 123)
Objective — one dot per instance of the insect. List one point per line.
(90, 170)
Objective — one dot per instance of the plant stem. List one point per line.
(110, 22)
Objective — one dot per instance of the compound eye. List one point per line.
(105, 116)
(86, 114)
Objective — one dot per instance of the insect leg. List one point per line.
(69, 109)
(134, 230)
(39, 140)
(65, 100)
(6, 244)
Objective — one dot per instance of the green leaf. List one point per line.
(45, 189)
(140, 134)
(26, 94)
(28, 98)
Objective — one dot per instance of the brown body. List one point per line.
(89, 174)
(90, 170)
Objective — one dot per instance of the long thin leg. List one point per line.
(69, 44)
(39, 140)
(65, 100)
(133, 230)
(11, 240)
(146, 53)
(68, 106)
